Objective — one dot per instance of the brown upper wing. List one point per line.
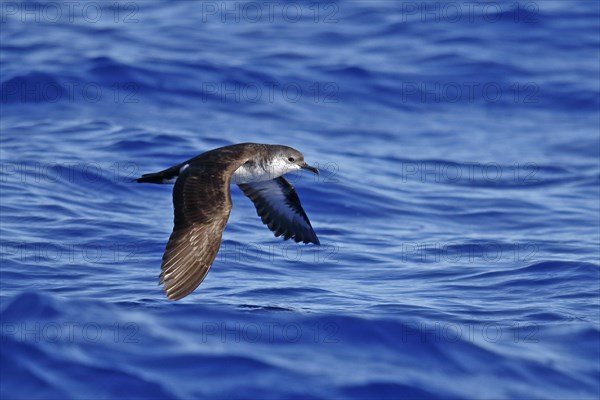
(278, 205)
(202, 202)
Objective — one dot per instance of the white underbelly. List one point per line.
(248, 175)
(254, 173)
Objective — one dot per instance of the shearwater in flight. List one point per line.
(202, 202)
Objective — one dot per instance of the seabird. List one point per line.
(202, 203)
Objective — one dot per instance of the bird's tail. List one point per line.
(166, 176)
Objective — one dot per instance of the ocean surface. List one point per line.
(458, 205)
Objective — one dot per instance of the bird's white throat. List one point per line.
(249, 173)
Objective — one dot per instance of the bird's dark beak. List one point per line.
(308, 167)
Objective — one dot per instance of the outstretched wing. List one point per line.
(278, 205)
(202, 203)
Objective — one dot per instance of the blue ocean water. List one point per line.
(458, 205)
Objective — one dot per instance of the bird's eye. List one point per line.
(291, 159)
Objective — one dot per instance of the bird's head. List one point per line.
(291, 160)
